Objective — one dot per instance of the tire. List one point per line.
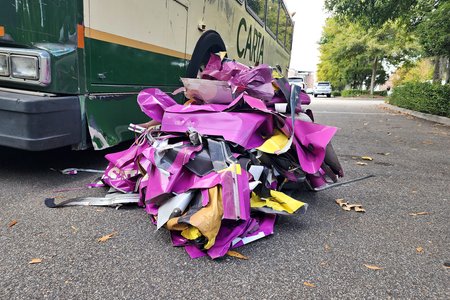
(209, 42)
(328, 95)
(315, 95)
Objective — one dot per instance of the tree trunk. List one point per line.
(437, 71)
(374, 74)
(447, 80)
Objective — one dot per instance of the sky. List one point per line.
(309, 20)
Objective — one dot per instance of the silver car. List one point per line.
(322, 88)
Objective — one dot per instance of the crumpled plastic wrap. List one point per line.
(212, 172)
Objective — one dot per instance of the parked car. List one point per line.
(322, 88)
(297, 81)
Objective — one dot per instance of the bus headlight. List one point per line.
(4, 68)
(25, 67)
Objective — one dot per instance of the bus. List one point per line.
(70, 70)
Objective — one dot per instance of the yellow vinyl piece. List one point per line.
(278, 201)
(275, 143)
(191, 233)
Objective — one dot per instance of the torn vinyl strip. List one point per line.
(114, 199)
(329, 186)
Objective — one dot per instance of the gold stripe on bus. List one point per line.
(117, 39)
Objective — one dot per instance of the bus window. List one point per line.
(282, 20)
(272, 16)
(289, 34)
(257, 9)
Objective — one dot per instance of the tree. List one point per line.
(434, 35)
(429, 19)
(387, 24)
(376, 13)
(353, 55)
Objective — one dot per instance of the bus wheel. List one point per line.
(209, 42)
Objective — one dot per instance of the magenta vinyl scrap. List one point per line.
(212, 170)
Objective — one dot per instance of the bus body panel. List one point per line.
(145, 46)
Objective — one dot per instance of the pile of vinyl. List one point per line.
(211, 170)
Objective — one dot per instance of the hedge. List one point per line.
(352, 93)
(335, 93)
(424, 97)
(357, 93)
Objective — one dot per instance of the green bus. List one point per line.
(70, 70)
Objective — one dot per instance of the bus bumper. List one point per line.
(39, 122)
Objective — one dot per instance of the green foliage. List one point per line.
(434, 31)
(419, 71)
(335, 93)
(423, 97)
(353, 93)
(358, 93)
(348, 52)
(380, 93)
(376, 13)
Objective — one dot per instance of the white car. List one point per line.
(322, 88)
(297, 81)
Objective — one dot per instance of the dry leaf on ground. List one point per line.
(359, 163)
(373, 267)
(366, 158)
(236, 254)
(35, 261)
(12, 223)
(422, 213)
(419, 250)
(309, 284)
(106, 237)
(384, 153)
(348, 207)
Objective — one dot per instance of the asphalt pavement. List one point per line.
(328, 253)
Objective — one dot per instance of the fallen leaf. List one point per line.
(447, 265)
(35, 261)
(366, 158)
(384, 153)
(327, 248)
(236, 254)
(340, 201)
(359, 163)
(359, 208)
(106, 237)
(12, 223)
(74, 228)
(372, 267)
(427, 142)
(423, 213)
(419, 250)
(348, 207)
(309, 284)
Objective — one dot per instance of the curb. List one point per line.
(428, 117)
